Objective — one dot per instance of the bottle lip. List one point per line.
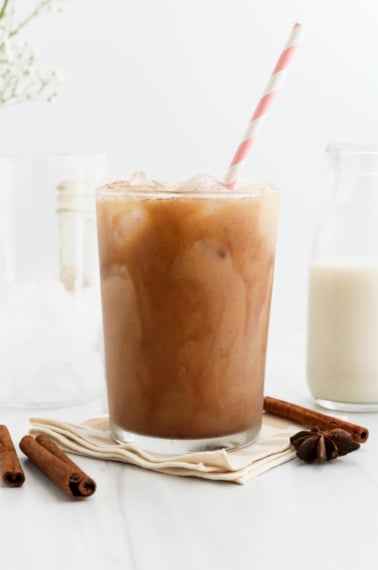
(352, 148)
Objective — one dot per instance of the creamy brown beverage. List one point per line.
(186, 276)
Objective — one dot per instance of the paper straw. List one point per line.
(263, 107)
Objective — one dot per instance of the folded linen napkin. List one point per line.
(92, 439)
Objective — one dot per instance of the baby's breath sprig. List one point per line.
(21, 79)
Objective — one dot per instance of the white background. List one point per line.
(168, 87)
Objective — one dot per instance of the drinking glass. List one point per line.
(50, 318)
(186, 279)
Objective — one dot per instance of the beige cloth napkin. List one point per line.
(92, 439)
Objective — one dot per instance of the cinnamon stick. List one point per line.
(312, 418)
(57, 466)
(12, 473)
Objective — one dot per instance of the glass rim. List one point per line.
(352, 148)
(117, 189)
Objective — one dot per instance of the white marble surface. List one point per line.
(295, 516)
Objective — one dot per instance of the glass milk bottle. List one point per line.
(342, 340)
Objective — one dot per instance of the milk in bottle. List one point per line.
(342, 339)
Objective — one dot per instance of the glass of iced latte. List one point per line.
(186, 279)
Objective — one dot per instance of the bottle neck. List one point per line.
(349, 231)
(353, 159)
(354, 171)
(77, 234)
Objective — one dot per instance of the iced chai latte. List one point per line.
(186, 276)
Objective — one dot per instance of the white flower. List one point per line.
(57, 75)
(20, 77)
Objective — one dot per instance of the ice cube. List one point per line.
(138, 179)
(128, 223)
(213, 249)
(202, 183)
(49, 343)
(164, 186)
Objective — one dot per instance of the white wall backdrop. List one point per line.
(168, 86)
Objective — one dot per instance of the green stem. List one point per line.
(3, 8)
(32, 15)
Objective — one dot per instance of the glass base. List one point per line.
(347, 406)
(182, 446)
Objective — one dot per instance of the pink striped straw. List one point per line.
(263, 107)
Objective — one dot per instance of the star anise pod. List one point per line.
(316, 445)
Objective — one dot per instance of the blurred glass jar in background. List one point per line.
(50, 320)
(342, 342)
